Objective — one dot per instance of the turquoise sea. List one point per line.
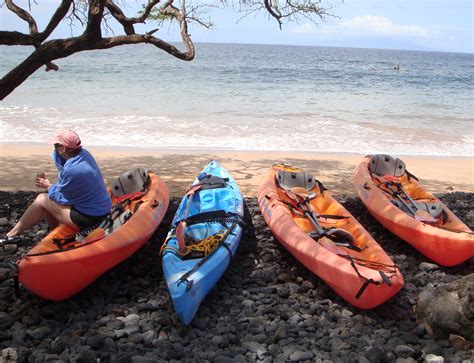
(251, 97)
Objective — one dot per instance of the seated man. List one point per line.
(78, 199)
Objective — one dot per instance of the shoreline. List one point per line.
(178, 167)
(34, 147)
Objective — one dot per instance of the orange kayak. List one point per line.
(402, 204)
(326, 238)
(65, 261)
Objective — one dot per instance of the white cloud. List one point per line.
(377, 25)
(306, 28)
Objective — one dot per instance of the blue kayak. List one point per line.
(204, 236)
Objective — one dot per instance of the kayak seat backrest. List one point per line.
(288, 180)
(435, 209)
(381, 165)
(135, 180)
(209, 181)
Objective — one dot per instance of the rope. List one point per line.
(379, 266)
(206, 246)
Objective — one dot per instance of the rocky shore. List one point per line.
(266, 308)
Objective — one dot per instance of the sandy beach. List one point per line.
(21, 162)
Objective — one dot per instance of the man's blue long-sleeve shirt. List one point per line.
(80, 184)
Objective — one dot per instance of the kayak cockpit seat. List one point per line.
(209, 181)
(289, 179)
(381, 164)
(133, 181)
(128, 187)
(435, 209)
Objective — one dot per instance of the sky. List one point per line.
(427, 25)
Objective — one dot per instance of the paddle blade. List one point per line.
(300, 192)
(425, 217)
(10, 240)
(95, 235)
(340, 236)
(391, 178)
(192, 190)
(180, 236)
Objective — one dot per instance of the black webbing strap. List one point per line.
(211, 182)
(185, 277)
(57, 251)
(385, 278)
(118, 207)
(410, 175)
(61, 242)
(297, 213)
(218, 216)
(322, 188)
(363, 287)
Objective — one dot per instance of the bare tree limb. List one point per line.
(58, 15)
(94, 17)
(93, 30)
(23, 14)
(272, 12)
(15, 38)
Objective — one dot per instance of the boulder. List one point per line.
(448, 309)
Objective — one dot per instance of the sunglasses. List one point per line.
(56, 146)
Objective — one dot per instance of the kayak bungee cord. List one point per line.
(206, 245)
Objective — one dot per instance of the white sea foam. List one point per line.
(29, 124)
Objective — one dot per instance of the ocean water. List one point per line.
(250, 97)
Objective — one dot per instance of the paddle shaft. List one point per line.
(308, 212)
(396, 194)
(182, 225)
(417, 213)
(310, 215)
(401, 189)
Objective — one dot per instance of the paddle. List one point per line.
(419, 214)
(10, 240)
(337, 235)
(100, 231)
(182, 224)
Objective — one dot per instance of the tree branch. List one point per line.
(92, 17)
(58, 15)
(93, 30)
(23, 14)
(272, 12)
(118, 14)
(15, 38)
(56, 49)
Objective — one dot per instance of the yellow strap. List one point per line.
(288, 168)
